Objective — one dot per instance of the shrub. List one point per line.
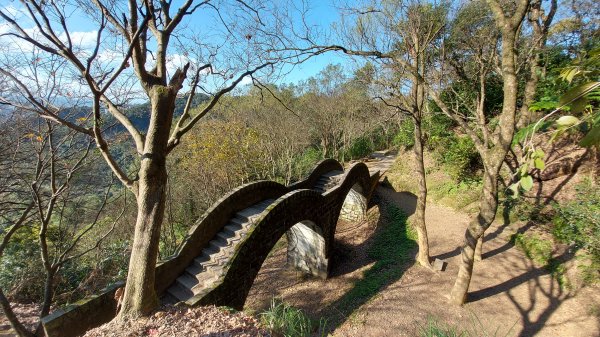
(459, 158)
(405, 136)
(382, 139)
(21, 268)
(305, 162)
(360, 147)
(578, 223)
(437, 129)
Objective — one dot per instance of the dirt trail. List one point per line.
(509, 296)
(507, 290)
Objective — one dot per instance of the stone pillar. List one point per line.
(306, 249)
(355, 205)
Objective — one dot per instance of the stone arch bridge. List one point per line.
(224, 251)
(222, 254)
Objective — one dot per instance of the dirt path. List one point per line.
(509, 296)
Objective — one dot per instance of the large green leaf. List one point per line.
(526, 182)
(578, 105)
(568, 73)
(539, 164)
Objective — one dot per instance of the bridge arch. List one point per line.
(241, 270)
(309, 220)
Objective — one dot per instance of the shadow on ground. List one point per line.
(392, 249)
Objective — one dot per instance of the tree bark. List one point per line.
(48, 296)
(140, 297)
(479, 247)
(419, 219)
(475, 230)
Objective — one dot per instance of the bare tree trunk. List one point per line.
(48, 296)
(475, 231)
(12, 318)
(140, 297)
(479, 248)
(419, 219)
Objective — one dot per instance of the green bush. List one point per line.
(382, 139)
(20, 267)
(437, 129)
(459, 158)
(360, 148)
(405, 137)
(578, 223)
(285, 320)
(304, 162)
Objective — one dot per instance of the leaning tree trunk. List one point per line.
(140, 297)
(477, 227)
(419, 219)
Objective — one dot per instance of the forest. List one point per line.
(123, 122)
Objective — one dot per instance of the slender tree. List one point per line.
(492, 136)
(398, 36)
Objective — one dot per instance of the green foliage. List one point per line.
(578, 223)
(534, 246)
(532, 160)
(405, 137)
(459, 157)
(382, 139)
(305, 161)
(114, 260)
(524, 132)
(20, 267)
(287, 321)
(438, 128)
(435, 328)
(360, 148)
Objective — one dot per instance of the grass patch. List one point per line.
(472, 328)
(435, 328)
(540, 251)
(284, 320)
(456, 195)
(536, 248)
(393, 247)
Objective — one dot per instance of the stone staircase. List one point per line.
(209, 266)
(328, 181)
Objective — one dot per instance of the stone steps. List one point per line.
(206, 268)
(327, 181)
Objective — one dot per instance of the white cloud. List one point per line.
(246, 80)
(81, 39)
